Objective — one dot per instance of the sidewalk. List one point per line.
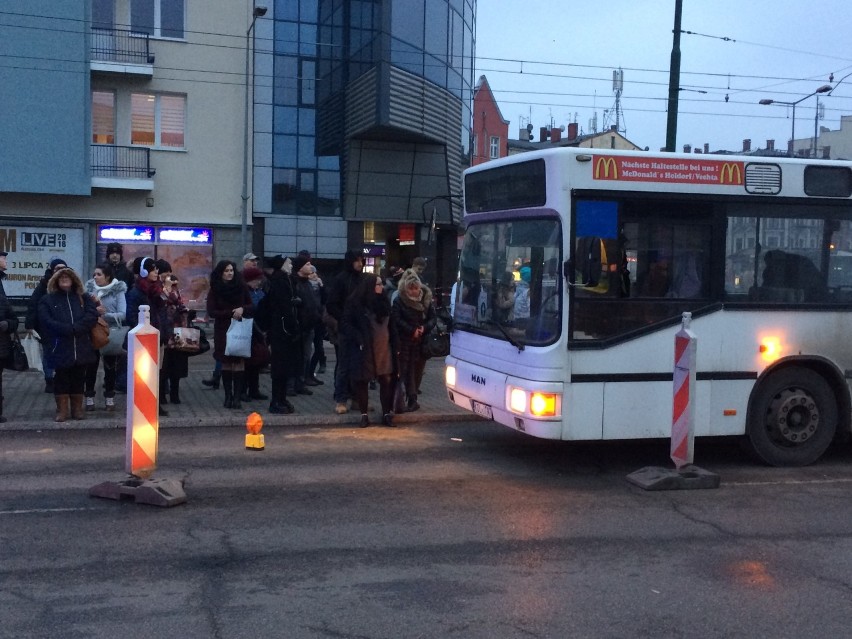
(28, 407)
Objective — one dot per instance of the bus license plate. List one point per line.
(483, 410)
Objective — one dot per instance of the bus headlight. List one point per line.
(535, 403)
(543, 404)
(450, 376)
(518, 400)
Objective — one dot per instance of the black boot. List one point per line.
(239, 383)
(213, 382)
(228, 385)
(253, 384)
(174, 390)
(164, 390)
(2, 419)
(412, 404)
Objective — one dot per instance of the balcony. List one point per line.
(122, 167)
(121, 51)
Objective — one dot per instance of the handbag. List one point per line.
(435, 344)
(100, 334)
(238, 338)
(186, 339)
(32, 348)
(399, 399)
(17, 360)
(117, 335)
(260, 355)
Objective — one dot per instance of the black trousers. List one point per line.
(360, 393)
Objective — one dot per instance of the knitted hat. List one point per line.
(57, 262)
(114, 247)
(276, 263)
(299, 261)
(251, 273)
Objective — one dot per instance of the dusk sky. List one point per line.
(551, 59)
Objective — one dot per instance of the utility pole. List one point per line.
(674, 81)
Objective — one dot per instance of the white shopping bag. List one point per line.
(238, 338)
(32, 347)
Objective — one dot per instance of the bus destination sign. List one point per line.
(657, 169)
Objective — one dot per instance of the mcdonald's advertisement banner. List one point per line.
(670, 170)
(31, 249)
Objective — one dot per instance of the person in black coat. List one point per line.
(115, 256)
(8, 327)
(228, 299)
(68, 315)
(341, 287)
(148, 291)
(368, 342)
(277, 316)
(309, 313)
(414, 316)
(31, 321)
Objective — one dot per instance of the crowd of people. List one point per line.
(376, 326)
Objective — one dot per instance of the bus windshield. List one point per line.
(510, 287)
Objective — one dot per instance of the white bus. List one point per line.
(577, 265)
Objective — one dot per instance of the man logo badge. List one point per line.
(477, 379)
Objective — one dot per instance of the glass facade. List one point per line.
(320, 47)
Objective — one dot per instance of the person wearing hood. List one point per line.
(414, 316)
(109, 294)
(31, 322)
(115, 257)
(67, 315)
(8, 326)
(341, 287)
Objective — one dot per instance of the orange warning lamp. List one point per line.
(770, 349)
(254, 438)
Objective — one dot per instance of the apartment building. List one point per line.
(122, 121)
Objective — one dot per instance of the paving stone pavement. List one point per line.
(28, 407)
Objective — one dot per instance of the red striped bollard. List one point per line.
(143, 396)
(683, 406)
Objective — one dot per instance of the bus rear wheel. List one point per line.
(793, 418)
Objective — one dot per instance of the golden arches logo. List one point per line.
(604, 165)
(731, 173)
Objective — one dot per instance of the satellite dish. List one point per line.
(562, 128)
(530, 127)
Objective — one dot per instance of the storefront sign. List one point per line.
(135, 234)
(184, 235)
(31, 249)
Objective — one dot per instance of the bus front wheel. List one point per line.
(793, 417)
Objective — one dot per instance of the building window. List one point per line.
(103, 117)
(495, 147)
(158, 120)
(158, 18)
(103, 14)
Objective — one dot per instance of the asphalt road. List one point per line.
(459, 530)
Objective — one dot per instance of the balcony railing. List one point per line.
(121, 162)
(121, 46)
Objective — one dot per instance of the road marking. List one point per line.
(43, 510)
(846, 480)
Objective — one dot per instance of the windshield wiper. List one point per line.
(517, 344)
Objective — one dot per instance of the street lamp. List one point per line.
(823, 89)
(258, 12)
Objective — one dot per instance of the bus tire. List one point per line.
(793, 417)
